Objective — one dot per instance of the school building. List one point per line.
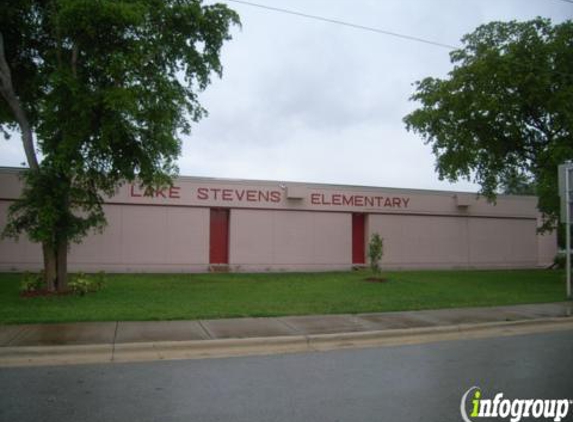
(204, 224)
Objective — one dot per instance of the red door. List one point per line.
(358, 244)
(219, 236)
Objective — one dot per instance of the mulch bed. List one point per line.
(376, 280)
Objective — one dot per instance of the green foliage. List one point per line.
(560, 260)
(81, 284)
(562, 235)
(504, 114)
(375, 252)
(32, 282)
(108, 87)
(40, 213)
(517, 184)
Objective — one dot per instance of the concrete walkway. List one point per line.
(127, 341)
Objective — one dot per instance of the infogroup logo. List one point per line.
(514, 409)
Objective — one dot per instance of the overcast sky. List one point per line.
(303, 100)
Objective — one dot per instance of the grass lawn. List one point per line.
(193, 296)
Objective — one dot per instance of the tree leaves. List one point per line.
(504, 112)
(108, 86)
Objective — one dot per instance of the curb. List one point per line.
(404, 336)
(200, 349)
(55, 355)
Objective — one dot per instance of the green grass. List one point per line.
(193, 296)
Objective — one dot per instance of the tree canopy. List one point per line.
(503, 117)
(106, 87)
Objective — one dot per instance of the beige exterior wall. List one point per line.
(502, 243)
(147, 239)
(455, 242)
(421, 241)
(295, 226)
(546, 247)
(285, 240)
(17, 256)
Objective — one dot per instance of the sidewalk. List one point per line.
(89, 342)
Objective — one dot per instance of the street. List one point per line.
(423, 382)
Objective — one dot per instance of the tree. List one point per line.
(106, 87)
(375, 252)
(517, 184)
(504, 114)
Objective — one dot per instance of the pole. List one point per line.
(568, 228)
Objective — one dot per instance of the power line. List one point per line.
(348, 24)
(567, 1)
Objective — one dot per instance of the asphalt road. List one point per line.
(405, 383)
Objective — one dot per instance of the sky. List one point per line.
(311, 101)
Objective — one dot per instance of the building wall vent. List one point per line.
(464, 201)
(295, 192)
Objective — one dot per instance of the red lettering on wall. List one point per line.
(148, 192)
(227, 194)
(133, 193)
(338, 199)
(264, 196)
(252, 196)
(174, 192)
(275, 196)
(202, 194)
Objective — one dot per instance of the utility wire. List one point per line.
(348, 24)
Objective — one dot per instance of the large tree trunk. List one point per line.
(7, 91)
(62, 241)
(49, 266)
(62, 265)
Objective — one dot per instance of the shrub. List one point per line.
(32, 282)
(560, 260)
(81, 284)
(375, 252)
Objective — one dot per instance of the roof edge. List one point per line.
(313, 184)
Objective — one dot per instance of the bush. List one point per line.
(560, 260)
(81, 284)
(32, 282)
(375, 252)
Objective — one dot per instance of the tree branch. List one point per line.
(7, 91)
(75, 52)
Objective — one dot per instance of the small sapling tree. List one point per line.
(375, 252)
